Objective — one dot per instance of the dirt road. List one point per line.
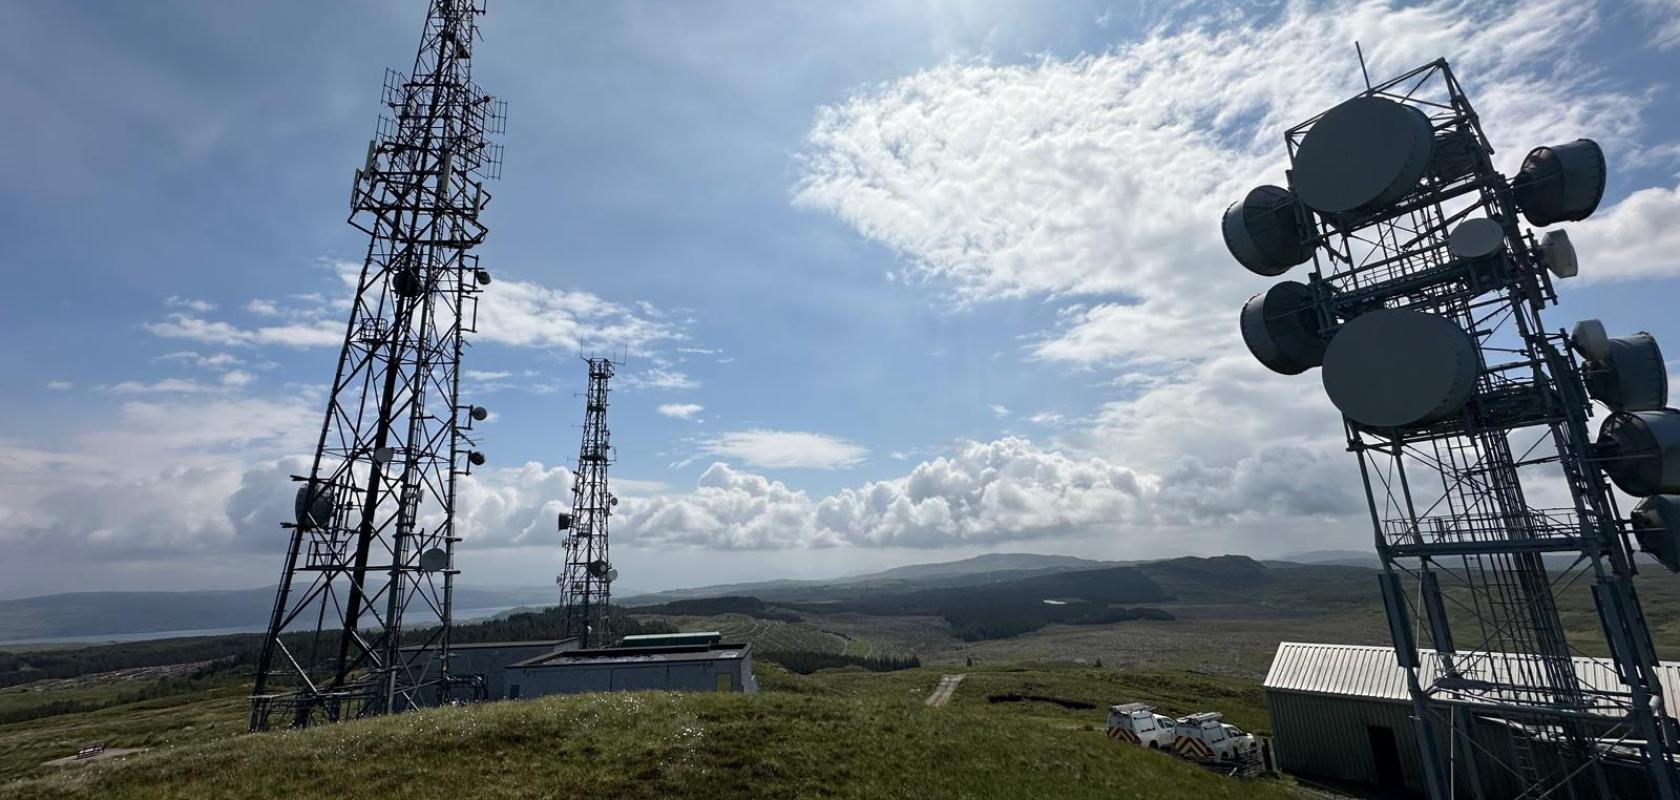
(942, 693)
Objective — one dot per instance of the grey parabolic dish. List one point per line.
(1362, 155)
(1476, 238)
(1394, 368)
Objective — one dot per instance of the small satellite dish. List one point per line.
(1476, 239)
(475, 457)
(1398, 368)
(1560, 184)
(1640, 451)
(434, 560)
(612, 499)
(1558, 254)
(599, 569)
(1590, 340)
(313, 506)
(1265, 233)
(480, 413)
(383, 455)
(1362, 155)
(565, 520)
(612, 574)
(1656, 526)
(482, 276)
(1632, 377)
(1280, 328)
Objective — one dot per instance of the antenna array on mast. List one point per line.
(1423, 309)
(586, 583)
(361, 620)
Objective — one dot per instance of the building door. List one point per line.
(513, 692)
(725, 682)
(1385, 754)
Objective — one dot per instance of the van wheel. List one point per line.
(1154, 745)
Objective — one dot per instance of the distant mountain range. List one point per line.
(1346, 558)
(990, 562)
(126, 614)
(134, 615)
(991, 567)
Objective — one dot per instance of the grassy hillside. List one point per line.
(1002, 609)
(836, 734)
(180, 720)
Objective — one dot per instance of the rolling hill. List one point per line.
(840, 735)
(988, 568)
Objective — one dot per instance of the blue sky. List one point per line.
(910, 281)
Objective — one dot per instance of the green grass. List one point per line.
(778, 744)
(184, 719)
(43, 699)
(32, 698)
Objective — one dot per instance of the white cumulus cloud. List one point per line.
(1008, 490)
(1636, 238)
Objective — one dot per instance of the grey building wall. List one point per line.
(622, 676)
(1328, 737)
(492, 663)
(491, 660)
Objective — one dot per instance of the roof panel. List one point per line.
(1374, 672)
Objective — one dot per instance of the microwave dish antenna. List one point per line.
(585, 587)
(1422, 305)
(363, 613)
(1363, 155)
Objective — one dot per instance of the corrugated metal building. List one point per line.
(1342, 712)
(713, 667)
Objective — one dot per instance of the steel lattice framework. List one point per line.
(1462, 544)
(361, 621)
(586, 583)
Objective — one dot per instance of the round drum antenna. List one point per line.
(1280, 328)
(1264, 231)
(1562, 183)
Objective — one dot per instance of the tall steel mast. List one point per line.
(371, 556)
(586, 584)
(1423, 308)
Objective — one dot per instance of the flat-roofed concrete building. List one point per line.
(490, 660)
(704, 667)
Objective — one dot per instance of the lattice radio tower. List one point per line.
(362, 617)
(586, 583)
(1423, 309)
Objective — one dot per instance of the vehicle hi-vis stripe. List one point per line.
(1192, 748)
(1123, 734)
